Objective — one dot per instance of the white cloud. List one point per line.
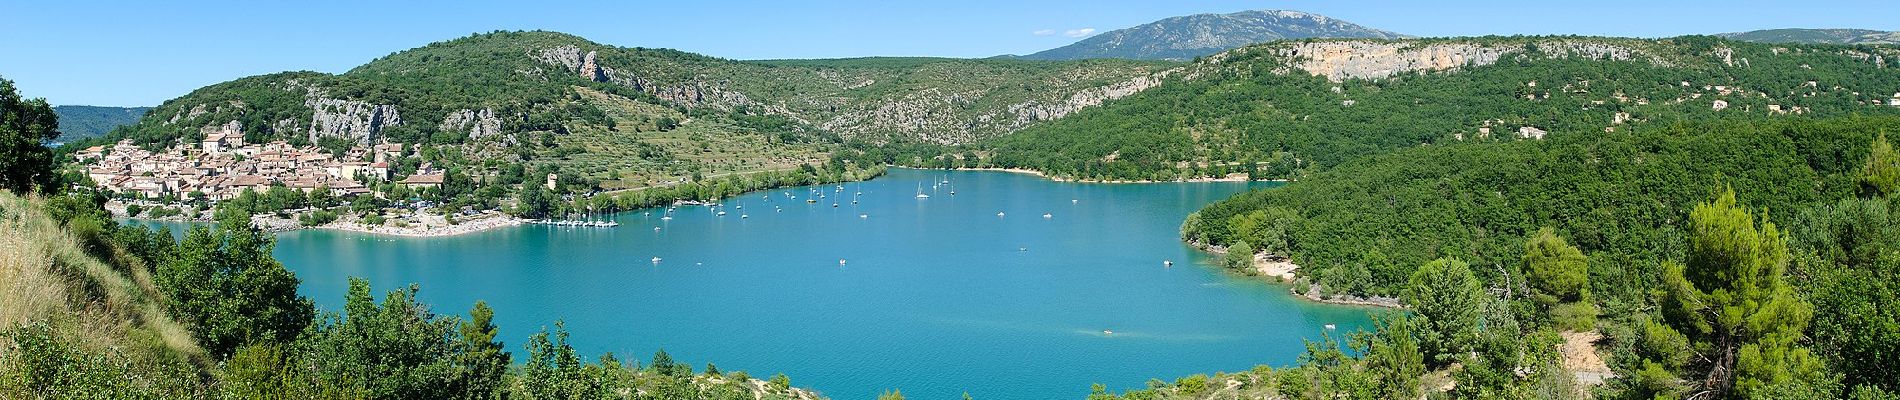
(1076, 33)
(1043, 32)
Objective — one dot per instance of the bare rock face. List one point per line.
(232, 128)
(478, 124)
(592, 70)
(573, 60)
(1361, 59)
(357, 121)
(568, 57)
(1032, 111)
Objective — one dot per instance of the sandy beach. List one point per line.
(1282, 270)
(431, 226)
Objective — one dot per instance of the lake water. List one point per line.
(936, 296)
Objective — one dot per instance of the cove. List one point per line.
(936, 297)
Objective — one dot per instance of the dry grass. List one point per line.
(47, 275)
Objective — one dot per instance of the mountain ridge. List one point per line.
(1186, 37)
(1816, 36)
(82, 121)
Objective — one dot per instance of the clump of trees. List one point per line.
(26, 165)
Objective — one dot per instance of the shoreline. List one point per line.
(1235, 177)
(432, 226)
(1281, 270)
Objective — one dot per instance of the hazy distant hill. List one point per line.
(1817, 36)
(1186, 37)
(79, 122)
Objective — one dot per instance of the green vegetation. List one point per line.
(1733, 304)
(79, 122)
(1248, 111)
(1614, 232)
(95, 309)
(260, 339)
(25, 124)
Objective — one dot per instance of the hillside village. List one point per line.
(222, 166)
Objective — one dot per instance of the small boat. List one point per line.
(1107, 332)
(808, 201)
(1073, 201)
(656, 229)
(656, 260)
(743, 216)
(1048, 215)
(742, 207)
(1022, 249)
(1167, 263)
(863, 216)
(722, 213)
(666, 218)
(834, 205)
(999, 213)
(923, 196)
(840, 261)
(1331, 327)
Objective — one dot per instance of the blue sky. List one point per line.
(144, 52)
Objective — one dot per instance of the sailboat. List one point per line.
(920, 192)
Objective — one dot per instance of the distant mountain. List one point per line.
(1186, 37)
(79, 122)
(1816, 36)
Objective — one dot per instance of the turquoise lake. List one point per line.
(936, 297)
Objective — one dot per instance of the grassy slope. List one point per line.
(97, 306)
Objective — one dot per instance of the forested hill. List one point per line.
(512, 86)
(1186, 37)
(1297, 106)
(79, 122)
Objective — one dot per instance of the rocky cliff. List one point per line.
(1356, 59)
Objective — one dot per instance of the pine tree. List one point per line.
(1881, 175)
(1732, 300)
(1447, 296)
(1559, 277)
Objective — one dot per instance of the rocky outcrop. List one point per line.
(357, 121)
(1358, 59)
(568, 57)
(591, 69)
(478, 124)
(228, 128)
(693, 93)
(1032, 111)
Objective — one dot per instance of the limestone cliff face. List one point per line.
(1338, 60)
(941, 116)
(1032, 111)
(591, 69)
(356, 121)
(587, 65)
(478, 124)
